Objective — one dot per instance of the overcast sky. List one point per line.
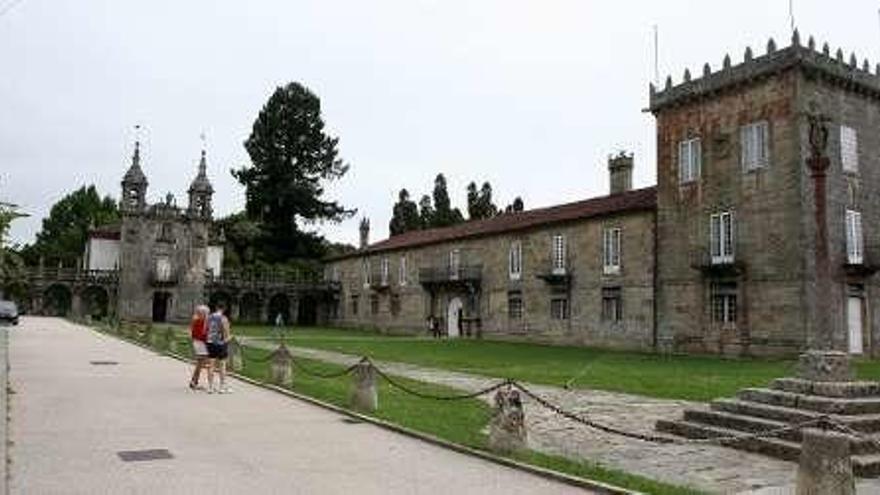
(529, 95)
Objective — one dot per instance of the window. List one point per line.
(514, 306)
(384, 272)
(612, 304)
(395, 304)
(854, 240)
(401, 273)
(515, 260)
(163, 269)
(690, 160)
(724, 302)
(721, 231)
(354, 304)
(374, 304)
(559, 254)
(611, 250)
(454, 264)
(559, 308)
(849, 149)
(754, 146)
(368, 275)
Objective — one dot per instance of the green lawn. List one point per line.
(699, 378)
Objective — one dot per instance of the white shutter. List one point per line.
(854, 241)
(715, 237)
(683, 161)
(696, 158)
(728, 233)
(615, 239)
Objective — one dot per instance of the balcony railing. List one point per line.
(451, 275)
(865, 265)
(716, 265)
(75, 275)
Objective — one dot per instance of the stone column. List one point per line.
(825, 466)
(236, 358)
(281, 367)
(507, 428)
(364, 396)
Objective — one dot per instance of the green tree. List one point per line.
(426, 212)
(444, 213)
(480, 203)
(242, 235)
(405, 216)
(64, 232)
(516, 206)
(292, 158)
(13, 278)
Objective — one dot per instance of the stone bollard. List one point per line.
(507, 428)
(281, 367)
(825, 466)
(169, 340)
(363, 395)
(236, 357)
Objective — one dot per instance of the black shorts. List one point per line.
(217, 351)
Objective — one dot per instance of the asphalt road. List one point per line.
(70, 418)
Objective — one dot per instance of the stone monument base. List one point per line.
(824, 386)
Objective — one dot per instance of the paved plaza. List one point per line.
(71, 415)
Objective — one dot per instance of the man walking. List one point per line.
(217, 343)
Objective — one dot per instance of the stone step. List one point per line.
(752, 424)
(827, 389)
(773, 447)
(825, 405)
(866, 423)
(864, 465)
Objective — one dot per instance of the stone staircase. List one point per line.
(791, 400)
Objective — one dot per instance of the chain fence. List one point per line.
(823, 421)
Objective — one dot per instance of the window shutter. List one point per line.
(715, 236)
(745, 147)
(683, 160)
(696, 158)
(727, 248)
(616, 247)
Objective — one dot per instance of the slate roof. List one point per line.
(635, 200)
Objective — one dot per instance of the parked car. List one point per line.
(8, 312)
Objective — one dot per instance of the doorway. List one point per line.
(854, 312)
(453, 318)
(160, 306)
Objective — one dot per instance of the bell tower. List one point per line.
(134, 185)
(200, 192)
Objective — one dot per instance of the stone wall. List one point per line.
(769, 236)
(489, 302)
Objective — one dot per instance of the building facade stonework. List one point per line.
(719, 257)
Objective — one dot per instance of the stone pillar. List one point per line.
(236, 357)
(281, 367)
(363, 395)
(825, 466)
(825, 366)
(170, 340)
(76, 309)
(507, 428)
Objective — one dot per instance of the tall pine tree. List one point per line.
(444, 214)
(405, 215)
(292, 158)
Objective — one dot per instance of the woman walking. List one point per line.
(218, 338)
(199, 333)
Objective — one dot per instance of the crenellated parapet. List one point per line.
(834, 68)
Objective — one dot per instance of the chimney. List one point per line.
(620, 171)
(365, 233)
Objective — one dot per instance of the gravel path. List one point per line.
(710, 468)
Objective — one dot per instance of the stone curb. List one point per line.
(568, 479)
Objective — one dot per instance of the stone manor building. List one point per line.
(719, 257)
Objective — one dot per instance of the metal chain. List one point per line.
(660, 439)
(394, 383)
(315, 374)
